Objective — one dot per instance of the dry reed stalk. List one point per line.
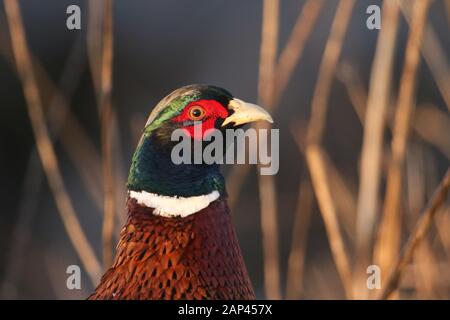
(333, 48)
(424, 115)
(106, 118)
(355, 89)
(439, 239)
(74, 139)
(43, 142)
(427, 272)
(293, 51)
(269, 226)
(296, 261)
(415, 181)
(434, 56)
(421, 229)
(343, 196)
(57, 113)
(424, 259)
(94, 43)
(442, 225)
(431, 171)
(436, 134)
(342, 193)
(314, 155)
(324, 165)
(371, 155)
(389, 236)
(315, 160)
(268, 51)
(65, 126)
(266, 184)
(33, 175)
(411, 271)
(433, 134)
(356, 92)
(95, 53)
(120, 176)
(84, 156)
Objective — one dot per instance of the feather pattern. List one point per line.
(195, 257)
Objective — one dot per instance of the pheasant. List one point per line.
(179, 241)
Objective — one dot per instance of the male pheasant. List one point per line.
(179, 241)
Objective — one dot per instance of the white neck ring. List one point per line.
(171, 207)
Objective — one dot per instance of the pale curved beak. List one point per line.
(245, 112)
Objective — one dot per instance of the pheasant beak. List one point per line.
(245, 112)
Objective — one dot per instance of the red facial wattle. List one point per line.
(205, 113)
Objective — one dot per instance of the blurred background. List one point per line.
(364, 136)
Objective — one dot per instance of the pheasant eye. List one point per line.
(197, 113)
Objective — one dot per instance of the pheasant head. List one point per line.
(179, 241)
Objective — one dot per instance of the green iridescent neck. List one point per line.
(152, 170)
